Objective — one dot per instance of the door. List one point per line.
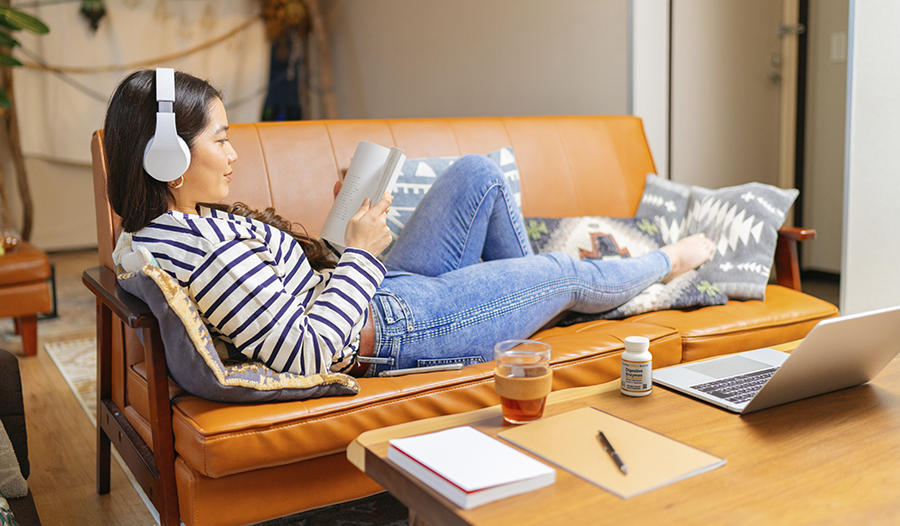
(726, 92)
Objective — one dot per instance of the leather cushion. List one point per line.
(23, 264)
(785, 315)
(221, 439)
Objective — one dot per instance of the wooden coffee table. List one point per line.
(830, 459)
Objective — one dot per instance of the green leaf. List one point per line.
(4, 100)
(6, 60)
(18, 20)
(7, 41)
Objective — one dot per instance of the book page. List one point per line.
(362, 180)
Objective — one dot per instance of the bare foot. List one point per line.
(688, 253)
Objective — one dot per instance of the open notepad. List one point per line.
(570, 441)
(469, 467)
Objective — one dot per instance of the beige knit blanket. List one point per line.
(12, 484)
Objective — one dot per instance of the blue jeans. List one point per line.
(462, 276)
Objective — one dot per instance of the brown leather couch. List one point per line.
(24, 290)
(239, 464)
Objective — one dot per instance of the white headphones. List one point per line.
(166, 156)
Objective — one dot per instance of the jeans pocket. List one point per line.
(465, 360)
(394, 312)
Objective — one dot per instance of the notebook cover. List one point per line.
(570, 441)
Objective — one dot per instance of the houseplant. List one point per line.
(14, 20)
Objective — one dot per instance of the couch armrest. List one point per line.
(787, 263)
(153, 465)
(130, 309)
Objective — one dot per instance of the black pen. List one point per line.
(612, 452)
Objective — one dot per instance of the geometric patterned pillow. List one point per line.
(197, 366)
(615, 238)
(743, 221)
(666, 203)
(417, 176)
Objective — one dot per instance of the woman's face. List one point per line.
(206, 179)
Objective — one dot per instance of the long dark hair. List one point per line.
(130, 122)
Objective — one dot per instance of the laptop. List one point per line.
(837, 353)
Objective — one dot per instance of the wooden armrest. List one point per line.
(153, 465)
(130, 309)
(797, 233)
(787, 263)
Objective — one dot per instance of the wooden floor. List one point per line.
(61, 439)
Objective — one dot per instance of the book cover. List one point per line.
(373, 171)
(469, 467)
(570, 440)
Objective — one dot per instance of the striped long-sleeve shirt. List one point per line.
(255, 288)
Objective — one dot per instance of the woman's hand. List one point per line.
(367, 228)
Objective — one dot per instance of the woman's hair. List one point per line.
(130, 122)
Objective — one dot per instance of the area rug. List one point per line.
(77, 362)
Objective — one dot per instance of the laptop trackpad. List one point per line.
(728, 366)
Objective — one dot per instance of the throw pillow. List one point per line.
(615, 238)
(666, 203)
(417, 176)
(12, 483)
(196, 365)
(743, 221)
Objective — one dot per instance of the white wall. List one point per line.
(871, 229)
(409, 58)
(826, 108)
(650, 75)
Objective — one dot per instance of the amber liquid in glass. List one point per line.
(522, 411)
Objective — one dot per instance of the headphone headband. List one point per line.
(166, 156)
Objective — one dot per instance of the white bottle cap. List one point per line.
(637, 344)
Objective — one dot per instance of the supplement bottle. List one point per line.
(637, 367)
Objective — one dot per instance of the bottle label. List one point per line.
(637, 377)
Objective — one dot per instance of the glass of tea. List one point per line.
(522, 378)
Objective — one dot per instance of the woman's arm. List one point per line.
(289, 317)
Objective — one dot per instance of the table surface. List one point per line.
(834, 458)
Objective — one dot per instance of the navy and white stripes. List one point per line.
(255, 289)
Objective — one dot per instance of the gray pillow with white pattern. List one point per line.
(743, 221)
(417, 176)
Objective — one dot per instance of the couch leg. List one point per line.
(27, 326)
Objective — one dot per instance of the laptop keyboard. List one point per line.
(737, 389)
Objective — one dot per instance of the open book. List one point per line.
(372, 173)
(468, 467)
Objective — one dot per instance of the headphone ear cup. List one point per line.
(166, 156)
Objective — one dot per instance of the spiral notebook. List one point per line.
(570, 441)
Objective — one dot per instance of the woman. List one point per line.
(460, 277)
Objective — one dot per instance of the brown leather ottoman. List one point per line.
(24, 292)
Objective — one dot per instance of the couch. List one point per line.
(211, 463)
(12, 417)
(24, 290)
